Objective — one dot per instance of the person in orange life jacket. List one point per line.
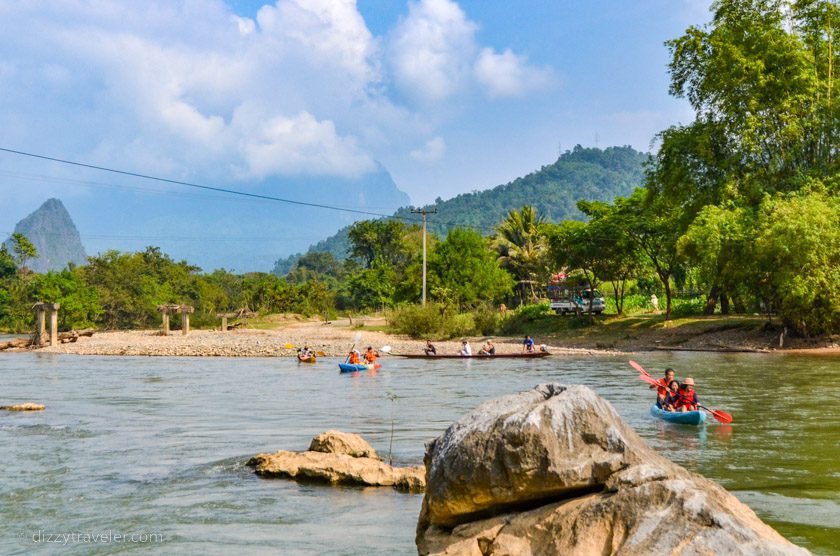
(354, 358)
(688, 397)
(370, 355)
(672, 396)
(662, 388)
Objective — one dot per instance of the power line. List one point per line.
(195, 185)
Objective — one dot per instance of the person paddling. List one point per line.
(354, 358)
(688, 397)
(664, 385)
(370, 356)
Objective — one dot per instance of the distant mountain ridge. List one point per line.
(52, 231)
(582, 173)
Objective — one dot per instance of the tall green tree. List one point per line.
(464, 266)
(522, 248)
(23, 249)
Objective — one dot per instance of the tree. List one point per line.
(654, 226)
(621, 258)
(23, 249)
(797, 247)
(464, 265)
(372, 239)
(522, 248)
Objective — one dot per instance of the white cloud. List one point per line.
(193, 90)
(432, 49)
(431, 151)
(509, 75)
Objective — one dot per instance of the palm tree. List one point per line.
(522, 247)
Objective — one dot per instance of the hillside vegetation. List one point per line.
(580, 174)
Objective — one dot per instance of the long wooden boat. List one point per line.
(534, 355)
(683, 418)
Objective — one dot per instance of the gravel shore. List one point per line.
(332, 341)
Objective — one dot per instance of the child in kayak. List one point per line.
(672, 396)
(688, 397)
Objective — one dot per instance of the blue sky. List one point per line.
(448, 96)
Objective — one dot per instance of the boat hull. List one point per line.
(682, 418)
(355, 368)
(310, 359)
(535, 355)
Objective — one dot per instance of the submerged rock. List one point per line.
(331, 459)
(28, 406)
(555, 470)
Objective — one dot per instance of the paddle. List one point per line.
(721, 416)
(356, 340)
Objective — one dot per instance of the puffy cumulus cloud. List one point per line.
(434, 55)
(186, 86)
(432, 48)
(191, 89)
(509, 75)
(300, 144)
(431, 151)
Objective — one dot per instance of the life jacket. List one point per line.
(687, 399)
(354, 358)
(662, 390)
(370, 357)
(672, 398)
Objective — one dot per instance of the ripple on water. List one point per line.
(159, 444)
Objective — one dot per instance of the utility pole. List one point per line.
(424, 212)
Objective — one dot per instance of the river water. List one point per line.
(156, 446)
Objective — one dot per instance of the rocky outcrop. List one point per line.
(555, 470)
(28, 406)
(337, 442)
(333, 461)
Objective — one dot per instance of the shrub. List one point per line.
(417, 321)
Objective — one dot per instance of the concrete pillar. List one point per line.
(54, 307)
(40, 324)
(185, 323)
(166, 322)
(224, 323)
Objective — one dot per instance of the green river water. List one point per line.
(156, 446)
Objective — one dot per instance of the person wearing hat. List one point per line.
(688, 397)
(370, 355)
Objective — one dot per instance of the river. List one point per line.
(156, 446)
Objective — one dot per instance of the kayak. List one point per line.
(535, 354)
(683, 418)
(353, 367)
(307, 359)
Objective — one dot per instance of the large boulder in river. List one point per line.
(339, 458)
(555, 470)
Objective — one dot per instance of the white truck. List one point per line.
(565, 300)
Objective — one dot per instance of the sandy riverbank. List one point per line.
(331, 340)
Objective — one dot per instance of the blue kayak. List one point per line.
(353, 368)
(683, 418)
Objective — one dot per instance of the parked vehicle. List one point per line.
(564, 300)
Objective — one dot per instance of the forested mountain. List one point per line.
(582, 173)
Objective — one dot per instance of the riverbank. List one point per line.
(330, 340)
(281, 337)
